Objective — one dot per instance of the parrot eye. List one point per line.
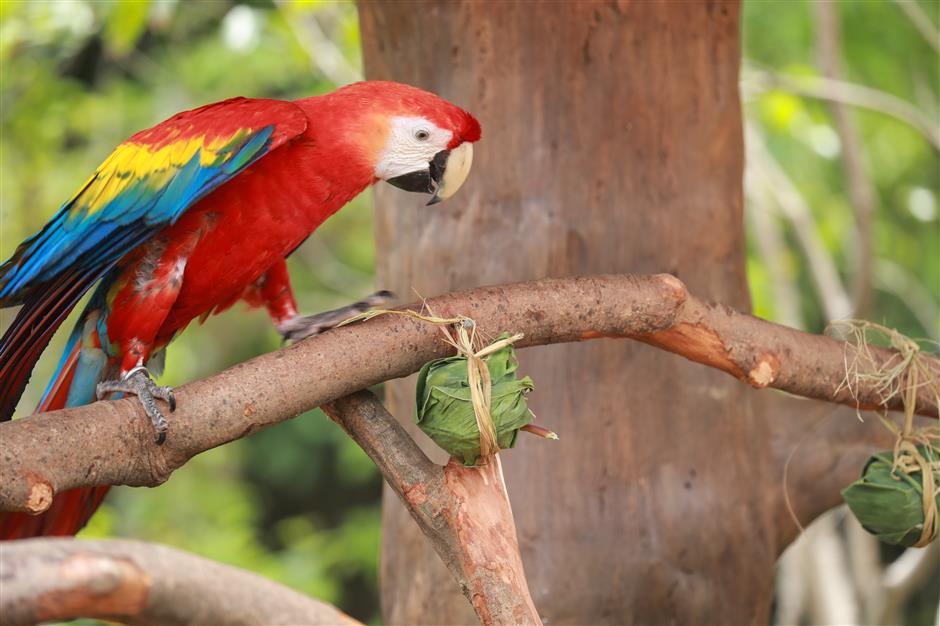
(422, 135)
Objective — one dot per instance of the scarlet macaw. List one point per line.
(187, 218)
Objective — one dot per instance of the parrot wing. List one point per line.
(144, 185)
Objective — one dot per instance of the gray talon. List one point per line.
(309, 325)
(138, 382)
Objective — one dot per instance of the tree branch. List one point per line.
(908, 573)
(134, 582)
(111, 443)
(921, 22)
(816, 450)
(464, 512)
(861, 189)
(835, 301)
(849, 93)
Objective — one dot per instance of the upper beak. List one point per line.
(449, 170)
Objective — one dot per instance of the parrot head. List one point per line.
(427, 157)
(411, 138)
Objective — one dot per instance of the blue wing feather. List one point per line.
(92, 231)
(145, 185)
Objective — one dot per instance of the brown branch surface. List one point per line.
(464, 512)
(816, 450)
(141, 583)
(110, 443)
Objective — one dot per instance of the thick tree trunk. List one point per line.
(612, 142)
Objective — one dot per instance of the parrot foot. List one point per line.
(138, 382)
(302, 327)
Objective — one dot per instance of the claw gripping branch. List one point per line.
(139, 382)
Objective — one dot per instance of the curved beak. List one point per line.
(453, 173)
(445, 174)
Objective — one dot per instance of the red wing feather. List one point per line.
(30, 333)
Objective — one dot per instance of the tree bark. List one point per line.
(53, 579)
(612, 142)
(463, 511)
(111, 443)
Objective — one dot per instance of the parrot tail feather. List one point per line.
(71, 509)
(32, 329)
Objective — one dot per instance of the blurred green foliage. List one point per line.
(882, 52)
(299, 502)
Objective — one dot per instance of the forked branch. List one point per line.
(464, 512)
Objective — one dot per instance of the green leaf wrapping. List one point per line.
(889, 508)
(444, 411)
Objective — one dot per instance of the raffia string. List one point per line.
(478, 374)
(904, 379)
(909, 460)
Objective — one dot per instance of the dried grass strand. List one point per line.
(903, 377)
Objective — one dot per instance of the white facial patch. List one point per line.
(412, 143)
